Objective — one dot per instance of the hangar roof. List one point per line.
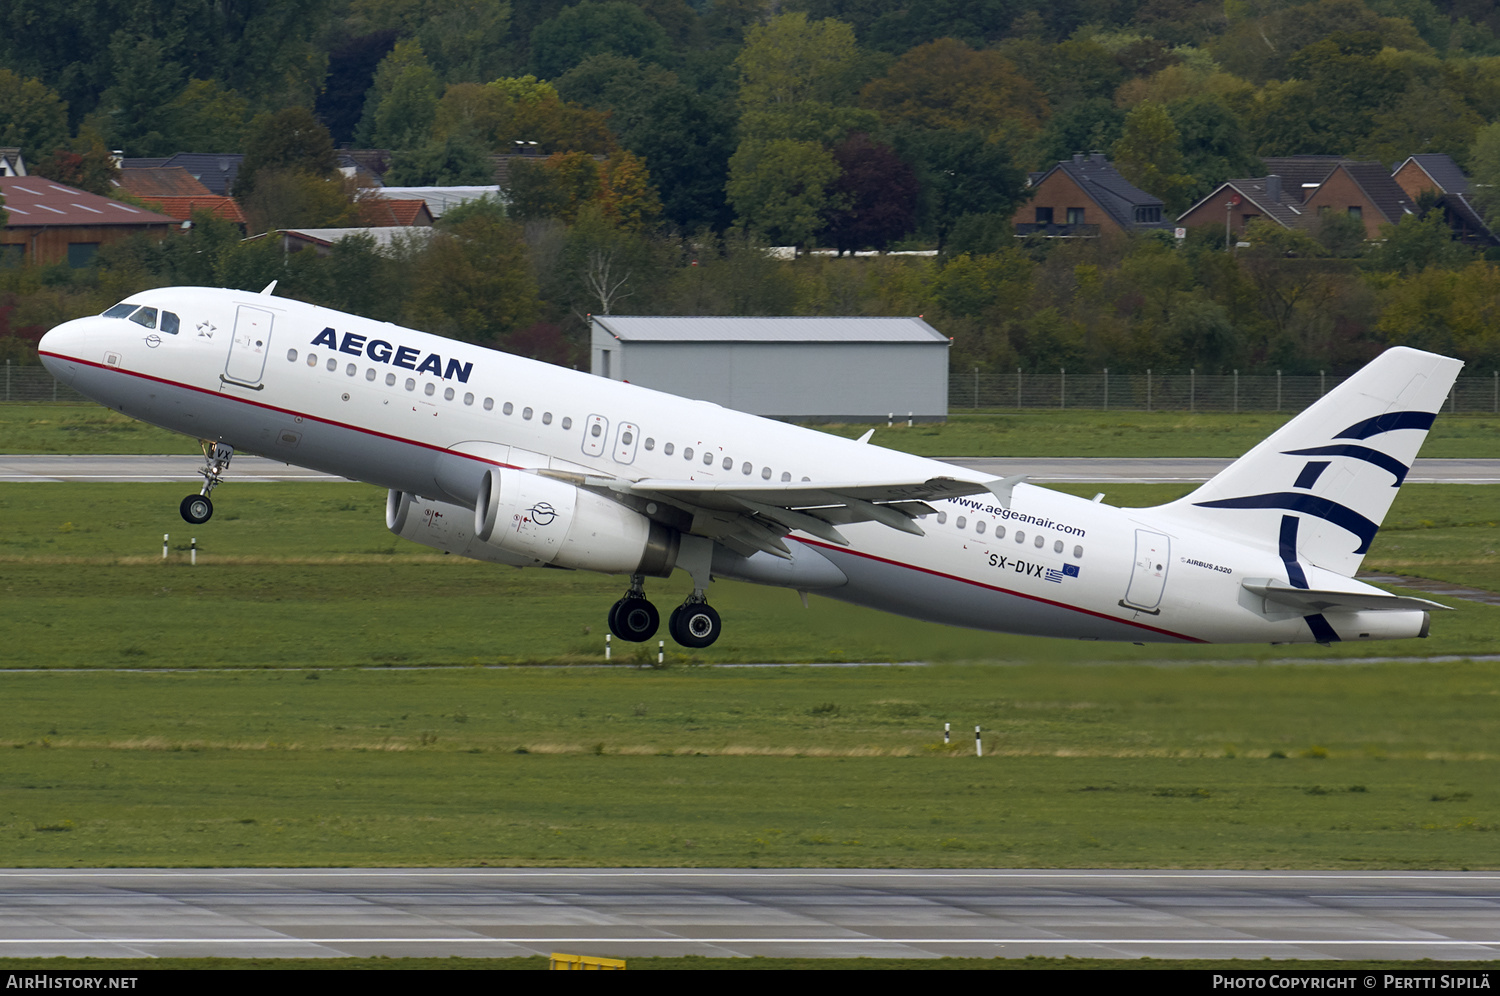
(37, 201)
(643, 328)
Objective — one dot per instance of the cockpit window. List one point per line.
(146, 317)
(120, 311)
(169, 323)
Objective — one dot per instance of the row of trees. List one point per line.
(1288, 302)
(840, 122)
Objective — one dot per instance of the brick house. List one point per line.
(1084, 197)
(1437, 175)
(1300, 189)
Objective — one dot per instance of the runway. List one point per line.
(833, 914)
(32, 468)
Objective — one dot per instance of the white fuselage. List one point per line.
(416, 413)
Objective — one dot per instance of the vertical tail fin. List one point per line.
(1317, 489)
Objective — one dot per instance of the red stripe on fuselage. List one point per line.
(281, 411)
(1004, 591)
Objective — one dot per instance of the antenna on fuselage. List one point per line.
(269, 288)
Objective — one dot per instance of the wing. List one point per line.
(748, 516)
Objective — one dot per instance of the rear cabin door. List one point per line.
(1148, 576)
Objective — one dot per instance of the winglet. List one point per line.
(1001, 488)
(269, 288)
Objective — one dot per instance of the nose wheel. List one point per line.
(198, 509)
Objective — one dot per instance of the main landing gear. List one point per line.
(198, 509)
(692, 624)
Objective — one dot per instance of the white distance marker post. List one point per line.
(978, 744)
(661, 652)
(194, 552)
(947, 731)
(606, 646)
(164, 546)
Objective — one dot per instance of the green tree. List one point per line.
(86, 163)
(291, 140)
(947, 85)
(205, 117)
(1149, 155)
(1416, 243)
(791, 59)
(589, 28)
(959, 174)
(33, 117)
(456, 160)
(402, 102)
(288, 198)
(473, 283)
(1484, 167)
(132, 111)
(780, 188)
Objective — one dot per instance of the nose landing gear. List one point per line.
(198, 509)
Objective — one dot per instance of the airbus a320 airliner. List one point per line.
(505, 459)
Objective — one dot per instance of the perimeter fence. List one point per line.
(1184, 392)
(1187, 392)
(28, 382)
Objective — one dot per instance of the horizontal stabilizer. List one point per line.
(1328, 600)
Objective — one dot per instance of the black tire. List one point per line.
(196, 509)
(695, 626)
(634, 619)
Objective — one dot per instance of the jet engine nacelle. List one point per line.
(443, 526)
(553, 522)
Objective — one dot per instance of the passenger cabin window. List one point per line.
(567, 424)
(960, 522)
(687, 452)
(667, 449)
(507, 409)
(979, 526)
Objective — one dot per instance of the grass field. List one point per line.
(331, 712)
(1168, 757)
(88, 428)
(85, 586)
(1310, 766)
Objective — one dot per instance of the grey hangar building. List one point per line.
(795, 369)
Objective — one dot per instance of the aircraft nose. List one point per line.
(57, 348)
